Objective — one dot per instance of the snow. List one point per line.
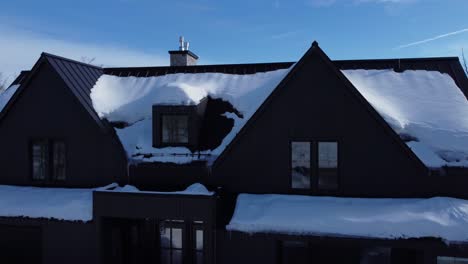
(56, 203)
(440, 217)
(69, 204)
(130, 100)
(426, 105)
(194, 189)
(6, 95)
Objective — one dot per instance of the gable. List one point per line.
(45, 108)
(316, 102)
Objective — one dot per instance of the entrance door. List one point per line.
(181, 242)
(151, 241)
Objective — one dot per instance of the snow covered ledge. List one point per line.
(440, 217)
(67, 204)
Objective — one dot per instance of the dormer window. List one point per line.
(175, 129)
(175, 125)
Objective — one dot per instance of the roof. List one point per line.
(247, 68)
(449, 65)
(21, 78)
(439, 217)
(81, 78)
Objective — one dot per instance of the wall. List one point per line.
(48, 109)
(49, 241)
(316, 105)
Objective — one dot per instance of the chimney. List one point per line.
(183, 56)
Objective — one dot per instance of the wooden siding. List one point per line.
(46, 108)
(315, 104)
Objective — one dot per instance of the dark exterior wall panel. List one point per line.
(47, 109)
(44, 241)
(316, 105)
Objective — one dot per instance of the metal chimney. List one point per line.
(183, 57)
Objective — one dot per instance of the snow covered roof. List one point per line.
(440, 217)
(423, 101)
(130, 100)
(6, 95)
(70, 204)
(422, 105)
(425, 106)
(194, 189)
(53, 203)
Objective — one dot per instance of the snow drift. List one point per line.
(6, 95)
(130, 100)
(445, 218)
(56, 203)
(426, 105)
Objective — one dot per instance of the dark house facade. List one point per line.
(314, 135)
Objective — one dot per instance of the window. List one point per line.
(451, 260)
(198, 241)
(171, 242)
(174, 129)
(59, 160)
(300, 165)
(40, 160)
(48, 160)
(182, 241)
(327, 165)
(314, 164)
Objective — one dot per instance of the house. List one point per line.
(361, 161)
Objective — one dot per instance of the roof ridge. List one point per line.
(203, 65)
(401, 59)
(70, 60)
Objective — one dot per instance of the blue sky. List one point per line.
(140, 32)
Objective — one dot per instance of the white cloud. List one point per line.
(19, 50)
(432, 39)
(325, 3)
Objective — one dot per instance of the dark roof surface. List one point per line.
(249, 68)
(449, 65)
(80, 78)
(21, 77)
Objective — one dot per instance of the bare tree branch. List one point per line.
(87, 60)
(3, 82)
(464, 62)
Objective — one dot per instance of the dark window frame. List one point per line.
(50, 173)
(174, 224)
(314, 166)
(318, 169)
(291, 167)
(44, 143)
(189, 249)
(193, 122)
(173, 143)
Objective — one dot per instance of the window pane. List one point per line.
(199, 239)
(176, 256)
(176, 238)
(300, 165)
(328, 154)
(328, 165)
(451, 260)
(175, 129)
(165, 237)
(40, 160)
(59, 160)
